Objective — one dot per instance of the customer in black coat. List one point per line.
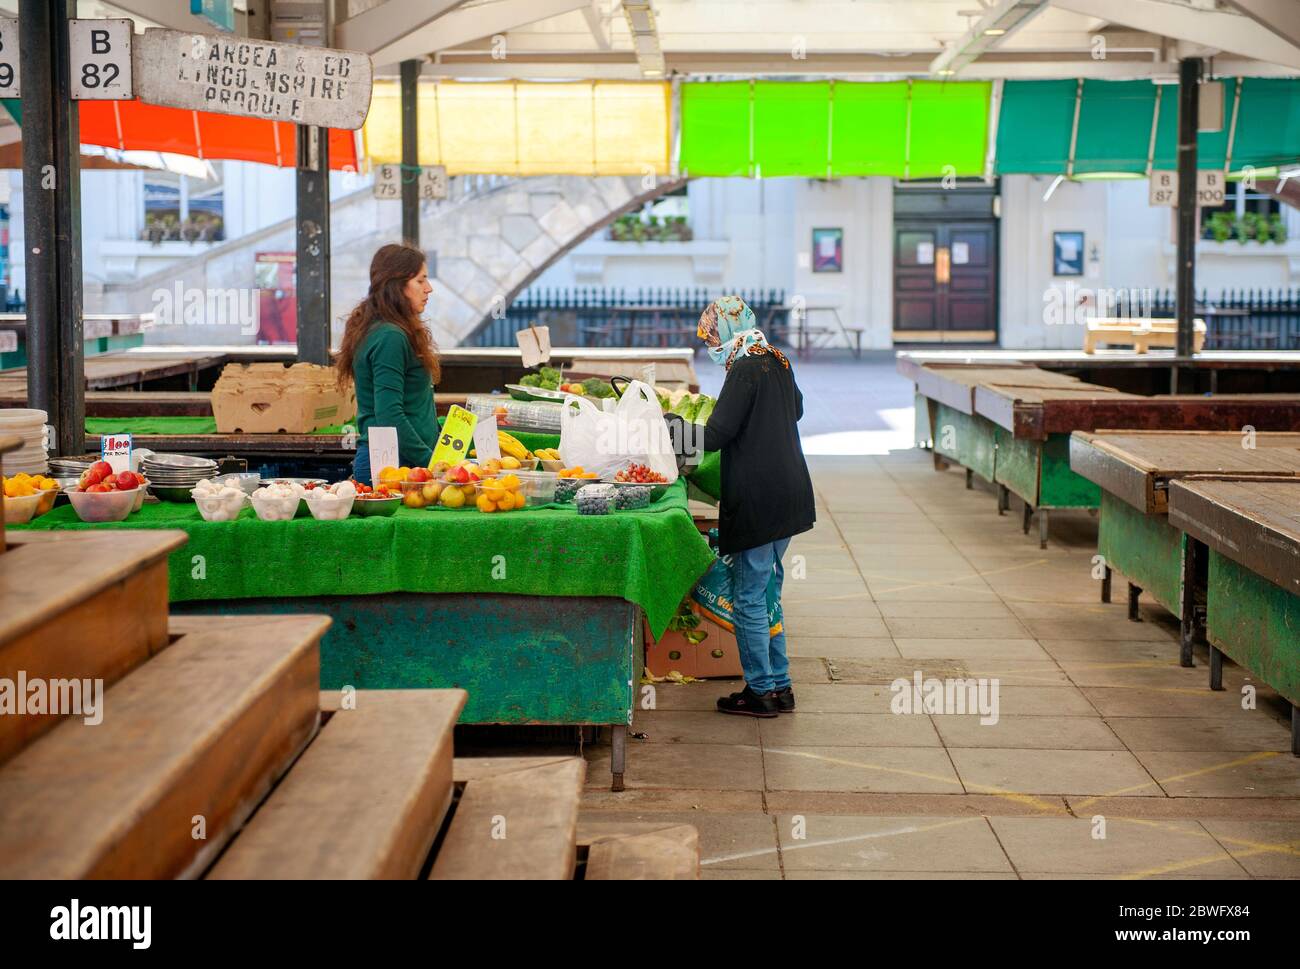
(767, 494)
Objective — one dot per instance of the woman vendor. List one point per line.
(388, 354)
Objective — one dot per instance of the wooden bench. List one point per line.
(1140, 334)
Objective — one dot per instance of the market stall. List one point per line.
(1011, 425)
(1134, 470)
(1247, 528)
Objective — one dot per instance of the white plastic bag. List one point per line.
(605, 442)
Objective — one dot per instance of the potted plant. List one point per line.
(1221, 226)
(1277, 228)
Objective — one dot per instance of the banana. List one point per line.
(511, 445)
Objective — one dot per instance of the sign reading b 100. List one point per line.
(254, 78)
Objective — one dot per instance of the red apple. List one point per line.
(127, 481)
(99, 489)
(458, 475)
(421, 474)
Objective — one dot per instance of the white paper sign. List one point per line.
(1210, 188)
(383, 450)
(486, 443)
(1163, 189)
(960, 253)
(116, 450)
(534, 345)
(100, 54)
(925, 253)
(8, 341)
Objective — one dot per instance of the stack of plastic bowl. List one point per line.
(29, 427)
(172, 477)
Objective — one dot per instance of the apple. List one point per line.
(128, 481)
(420, 474)
(458, 475)
(99, 489)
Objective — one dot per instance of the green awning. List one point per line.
(1115, 120)
(920, 129)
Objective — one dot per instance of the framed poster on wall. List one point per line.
(828, 250)
(1067, 253)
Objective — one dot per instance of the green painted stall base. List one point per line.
(965, 439)
(1017, 465)
(1039, 472)
(921, 420)
(1255, 623)
(523, 659)
(1145, 549)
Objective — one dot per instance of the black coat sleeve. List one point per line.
(733, 407)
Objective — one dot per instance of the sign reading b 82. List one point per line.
(100, 55)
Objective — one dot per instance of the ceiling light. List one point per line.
(995, 32)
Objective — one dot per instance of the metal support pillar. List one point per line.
(618, 755)
(410, 155)
(1216, 668)
(1043, 519)
(1192, 619)
(313, 231)
(1027, 517)
(56, 373)
(1134, 613)
(1105, 583)
(1189, 80)
(1004, 499)
(970, 479)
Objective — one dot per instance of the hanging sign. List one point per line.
(486, 443)
(253, 78)
(99, 53)
(9, 86)
(8, 341)
(1211, 186)
(433, 182)
(455, 437)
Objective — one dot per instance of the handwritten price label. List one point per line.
(457, 433)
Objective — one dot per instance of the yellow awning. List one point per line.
(529, 128)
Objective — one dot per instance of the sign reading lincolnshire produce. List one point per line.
(254, 78)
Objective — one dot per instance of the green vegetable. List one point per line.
(550, 374)
(530, 380)
(707, 404)
(595, 387)
(683, 406)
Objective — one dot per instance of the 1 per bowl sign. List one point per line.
(257, 78)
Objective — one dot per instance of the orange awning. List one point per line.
(134, 125)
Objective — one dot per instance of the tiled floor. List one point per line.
(1107, 759)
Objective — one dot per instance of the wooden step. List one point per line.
(517, 818)
(78, 606)
(640, 851)
(203, 729)
(365, 800)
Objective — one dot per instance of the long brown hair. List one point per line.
(392, 267)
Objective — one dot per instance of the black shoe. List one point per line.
(749, 704)
(785, 699)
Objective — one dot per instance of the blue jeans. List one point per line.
(361, 464)
(762, 655)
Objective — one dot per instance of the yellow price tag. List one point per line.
(456, 436)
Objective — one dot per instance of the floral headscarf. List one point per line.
(733, 323)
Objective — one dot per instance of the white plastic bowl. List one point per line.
(270, 508)
(19, 511)
(220, 508)
(104, 506)
(327, 507)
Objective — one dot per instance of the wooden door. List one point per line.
(945, 280)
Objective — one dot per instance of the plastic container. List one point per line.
(538, 487)
(496, 493)
(275, 508)
(325, 506)
(221, 508)
(366, 507)
(19, 511)
(48, 496)
(422, 494)
(103, 506)
(140, 492)
(566, 488)
(595, 499)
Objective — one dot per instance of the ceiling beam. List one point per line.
(474, 23)
(598, 20)
(1213, 28)
(1001, 19)
(644, 32)
(1280, 16)
(379, 27)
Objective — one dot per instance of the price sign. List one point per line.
(455, 437)
(382, 446)
(433, 183)
(1210, 187)
(100, 52)
(9, 86)
(116, 450)
(8, 341)
(486, 443)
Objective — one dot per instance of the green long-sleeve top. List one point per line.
(394, 390)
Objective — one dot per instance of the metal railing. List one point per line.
(588, 316)
(1235, 319)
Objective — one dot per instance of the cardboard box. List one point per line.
(270, 398)
(717, 655)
